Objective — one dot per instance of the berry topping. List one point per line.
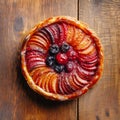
(65, 47)
(69, 66)
(61, 58)
(72, 55)
(59, 68)
(54, 49)
(50, 61)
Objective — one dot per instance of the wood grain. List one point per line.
(18, 101)
(103, 101)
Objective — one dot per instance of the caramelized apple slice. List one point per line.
(72, 82)
(84, 44)
(62, 33)
(60, 85)
(41, 35)
(70, 34)
(68, 85)
(39, 41)
(53, 83)
(78, 37)
(55, 32)
(88, 50)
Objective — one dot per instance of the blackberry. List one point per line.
(65, 47)
(54, 49)
(50, 61)
(58, 68)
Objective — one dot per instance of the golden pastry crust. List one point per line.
(86, 30)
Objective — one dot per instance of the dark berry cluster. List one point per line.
(58, 58)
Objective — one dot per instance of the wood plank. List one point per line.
(103, 101)
(17, 100)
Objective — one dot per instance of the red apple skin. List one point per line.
(55, 33)
(62, 90)
(67, 84)
(62, 33)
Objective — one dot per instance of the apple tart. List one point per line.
(61, 58)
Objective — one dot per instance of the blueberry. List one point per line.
(59, 68)
(54, 49)
(50, 60)
(65, 47)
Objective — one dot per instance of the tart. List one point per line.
(61, 58)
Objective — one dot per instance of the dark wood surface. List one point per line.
(18, 101)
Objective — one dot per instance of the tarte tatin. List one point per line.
(61, 58)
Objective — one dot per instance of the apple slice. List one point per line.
(93, 68)
(72, 82)
(79, 85)
(60, 88)
(35, 59)
(88, 64)
(34, 53)
(50, 33)
(37, 72)
(35, 64)
(43, 40)
(70, 34)
(42, 36)
(47, 84)
(55, 32)
(53, 83)
(88, 59)
(88, 50)
(80, 80)
(65, 89)
(41, 79)
(66, 85)
(35, 48)
(84, 44)
(37, 78)
(61, 32)
(45, 81)
(62, 85)
(40, 41)
(32, 42)
(65, 29)
(42, 75)
(78, 37)
(84, 74)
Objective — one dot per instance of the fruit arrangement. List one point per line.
(61, 58)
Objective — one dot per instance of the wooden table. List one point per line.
(18, 101)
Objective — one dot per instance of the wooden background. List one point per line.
(18, 101)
